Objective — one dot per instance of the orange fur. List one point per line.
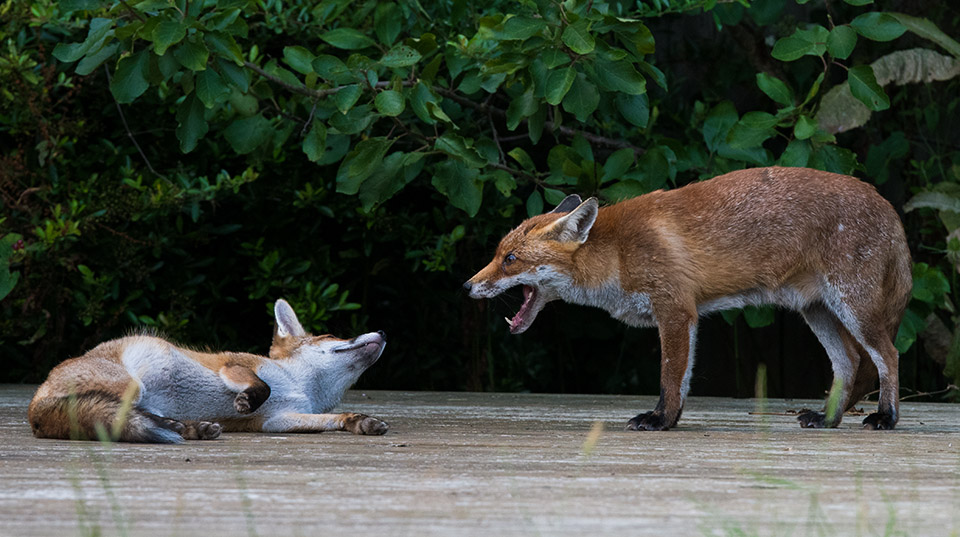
(824, 244)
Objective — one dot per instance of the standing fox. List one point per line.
(826, 245)
(145, 389)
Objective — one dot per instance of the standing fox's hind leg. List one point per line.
(844, 357)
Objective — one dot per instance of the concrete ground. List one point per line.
(498, 465)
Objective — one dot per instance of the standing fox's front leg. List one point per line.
(292, 422)
(251, 390)
(678, 337)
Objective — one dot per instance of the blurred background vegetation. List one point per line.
(179, 165)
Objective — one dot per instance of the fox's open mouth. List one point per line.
(532, 304)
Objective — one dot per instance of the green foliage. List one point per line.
(179, 164)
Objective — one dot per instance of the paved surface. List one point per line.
(495, 465)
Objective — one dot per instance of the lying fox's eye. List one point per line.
(510, 258)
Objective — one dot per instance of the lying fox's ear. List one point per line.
(568, 204)
(287, 322)
(575, 226)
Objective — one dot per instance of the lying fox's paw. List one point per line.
(250, 400)
(200, 430)
(363, 424)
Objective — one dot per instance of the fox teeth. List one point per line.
(508, 321)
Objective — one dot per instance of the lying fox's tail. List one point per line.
(90, 415)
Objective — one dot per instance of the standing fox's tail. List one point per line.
(88, 415)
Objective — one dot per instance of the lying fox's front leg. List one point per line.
(678, 337)
(292, 422)
(251, 390)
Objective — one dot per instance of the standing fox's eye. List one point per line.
(510, 258)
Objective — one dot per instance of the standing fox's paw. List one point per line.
(879, 421)
(363, 424)
(648, 421)
(811, 419)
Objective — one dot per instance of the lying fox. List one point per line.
(826, 245)
(175, 393)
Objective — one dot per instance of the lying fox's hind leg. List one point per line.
(188, 429)
(318, 423)
(251, 390)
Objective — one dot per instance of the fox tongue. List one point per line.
(528, 294)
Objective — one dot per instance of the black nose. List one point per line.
(467, 285)
(382, 335)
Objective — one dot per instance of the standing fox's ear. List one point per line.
(287, 322)
(568, 204)
(575, 226)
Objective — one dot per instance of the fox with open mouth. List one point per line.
(826, 245)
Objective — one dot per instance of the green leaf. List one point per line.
(522, 158)
(790, 48)
(774, 88)
(521, 28)
(167, 34)
(390, 103)
(929, 284)
(247, 134)
(99, 28)
(92, 61)
(400, 56)
(356, 120)
(911, 325)
(796, 155)
(928, 30)
(858, 2)
(347, 97)
(347, 39)
(878, 26)
(617, 164)
(940, 201)
(620, 76)
(752, 130)
(582, 99)
(460, 184)
(386, 181)
(210, 88)
(841, 41)
(192, 55)
(834, 159)
(360, 163)
(634, 108)
(238, 76)
(130, 80)
(558, 84)
(456, 146)
(299, 58)
(718, 123)
(534, 204)
(315, 142)
(577, 36)
(387, 22)
(521, 107)
(333, 69)
(863, 86)
(191, 125)
(805, 127)
(758, 317)
(223, 44)
(420, 97)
